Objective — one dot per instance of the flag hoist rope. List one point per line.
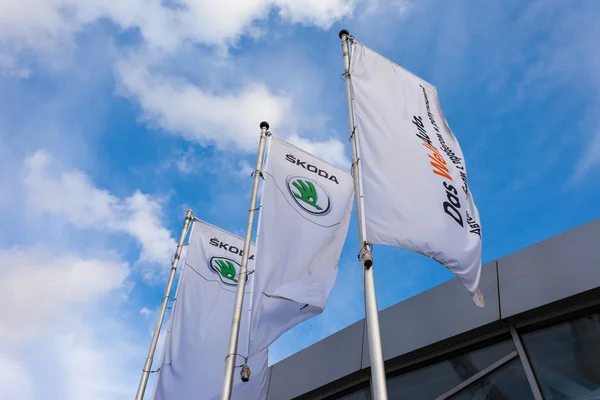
(239, 296)
(378, 382)
(163, 307)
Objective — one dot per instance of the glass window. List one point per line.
(566, 358)
(361, 394)
(434, 380)
(508, 382)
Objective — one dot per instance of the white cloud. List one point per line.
(186, 162)
(145, 312)
(97, 369)
(331, 150)
(230, 121)
(8, 66)
(189, 162)
(93, 357)
(206, 115)
(38, 285)
(321, 13)
(68, 331)
(379, 7)
(245, 170)
(63, 327)
(15, 381)
(142, 221)
(72, 195)
(49, 26)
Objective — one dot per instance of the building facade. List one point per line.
(537, 338)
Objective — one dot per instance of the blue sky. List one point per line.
(115, 117)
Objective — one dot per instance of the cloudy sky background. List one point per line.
(116, 116)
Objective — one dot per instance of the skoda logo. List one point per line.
(309, 195)
(226, 268)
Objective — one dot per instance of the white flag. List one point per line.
(304, 219)
(193, 361)
(413, 172)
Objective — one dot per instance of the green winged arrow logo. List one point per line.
(309, 195)
(226, 268)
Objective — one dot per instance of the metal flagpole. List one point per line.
(239, 296)
(163, 307)
(245, 378)
(378, 383)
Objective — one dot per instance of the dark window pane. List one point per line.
(508, 382)
(434, 380)
(362, 394)
(566, 358)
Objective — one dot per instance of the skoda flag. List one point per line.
(196, 344)
(413, 172)
(304, 219)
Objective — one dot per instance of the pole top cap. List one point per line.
(344, 32)
(265, 125)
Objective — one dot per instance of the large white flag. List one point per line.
(413, 172)
(304, 219)
(193, 361)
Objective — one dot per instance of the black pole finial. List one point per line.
(344, 32)
(265, 125)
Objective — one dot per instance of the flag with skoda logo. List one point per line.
(197, 339)
(304, 217)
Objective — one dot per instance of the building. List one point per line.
(539, 332)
